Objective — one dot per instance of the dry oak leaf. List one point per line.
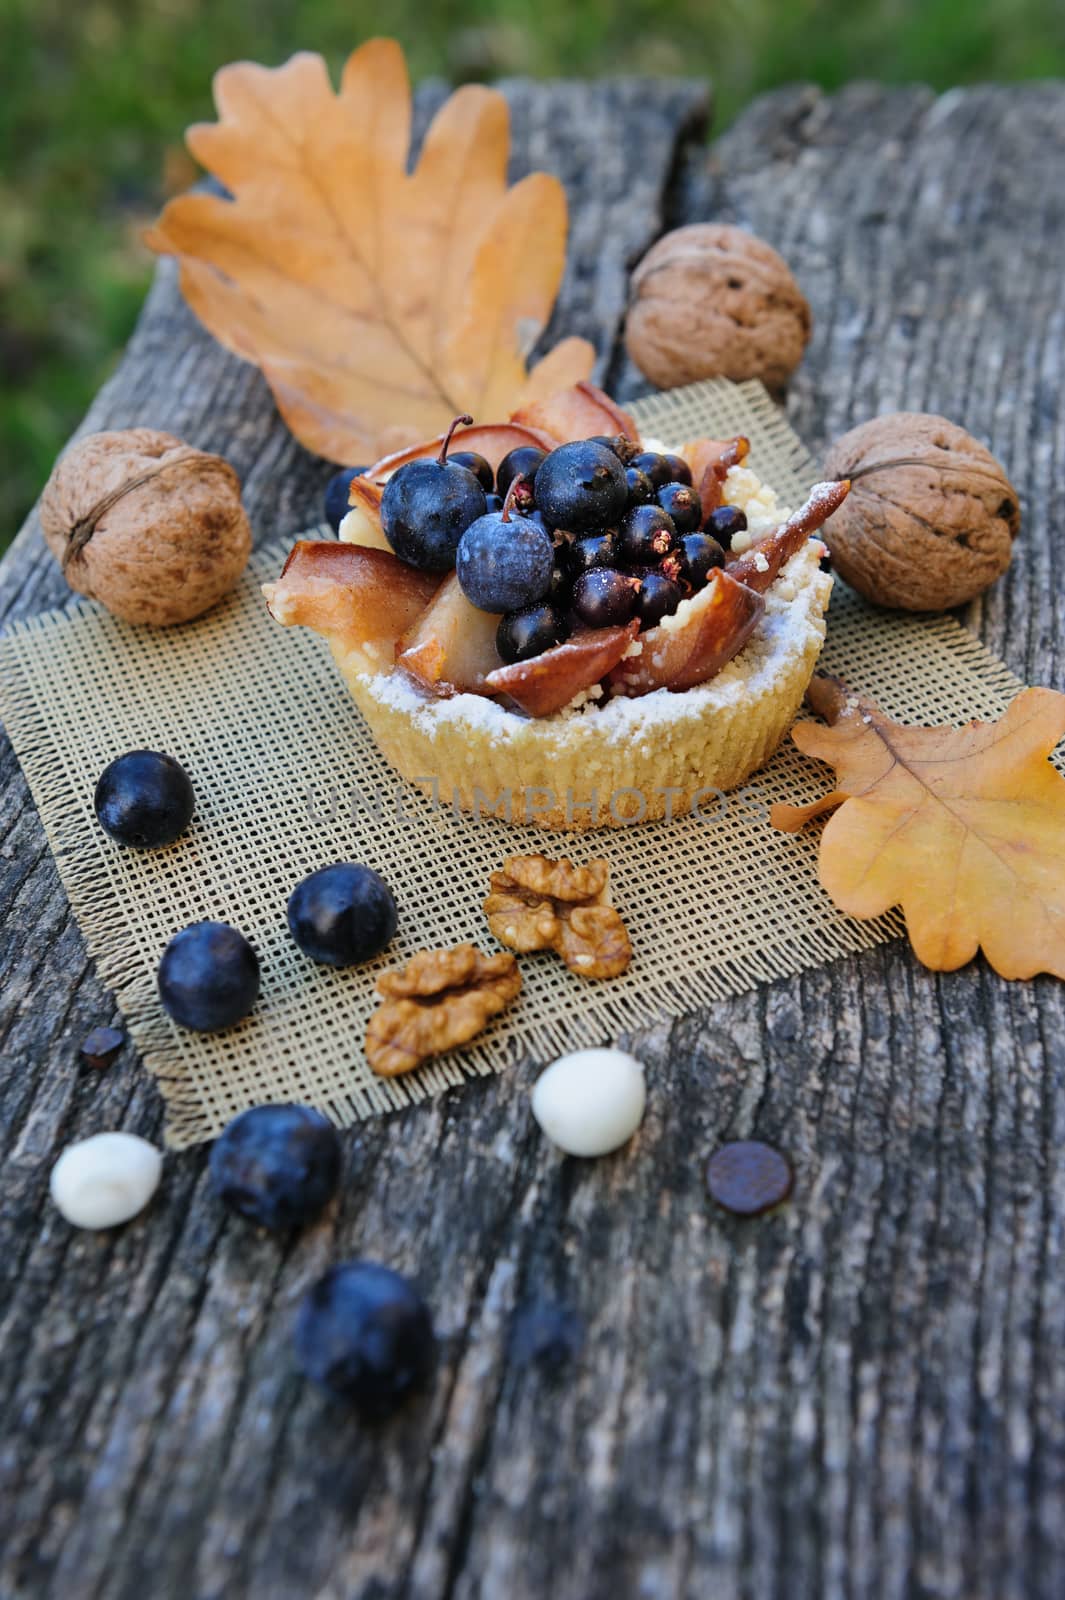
(379, 303)
(964, 828)
(441, 998)
(539, 904)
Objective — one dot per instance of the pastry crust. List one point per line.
(619, 761)
(613, 756)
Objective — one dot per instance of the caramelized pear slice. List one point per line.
(709, 460)
(580, 412)
(695, 642)
(358, 528)
(761, 563)
(451, 647)
(548, 682)
(360, 600)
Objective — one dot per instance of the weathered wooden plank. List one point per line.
(860, 1396)
(114, 1343)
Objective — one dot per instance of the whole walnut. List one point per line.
(145, 524)
(931, 517)
(711, 301)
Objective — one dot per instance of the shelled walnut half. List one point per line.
(441, 998)
(538, 904)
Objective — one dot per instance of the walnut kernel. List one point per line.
(538, 904)
(441, 998)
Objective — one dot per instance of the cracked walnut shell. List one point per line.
(714, 301)
(538, 904)
(149, 526)
(931, 517)
(441, 998)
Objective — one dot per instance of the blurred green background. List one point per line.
(95, 94)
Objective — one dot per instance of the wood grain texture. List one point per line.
(862, 1395)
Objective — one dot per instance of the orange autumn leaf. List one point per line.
(379, 303)
(964, 828)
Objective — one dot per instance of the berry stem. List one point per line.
(463, 421)
(508, 502)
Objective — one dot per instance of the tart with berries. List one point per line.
(557, 622)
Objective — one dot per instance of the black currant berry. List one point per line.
(622, 447)
(504, 563)
(427, 507)
(679, 470)
(724, 523)
(336, 495)
(523, 634)
(144, 799)
(657, 467)
(659, 596)
(519, 463)
(581, 487)
(645, 535)
(605, 598)
(641, 489)
(365, 1335)
(681, 503)
(475, 463)
(597, 550)
(699, 555)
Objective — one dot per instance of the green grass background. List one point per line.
(95, 94)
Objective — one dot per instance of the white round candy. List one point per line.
(105, 1180)
(590, 1102)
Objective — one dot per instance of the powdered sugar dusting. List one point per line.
(823, 495)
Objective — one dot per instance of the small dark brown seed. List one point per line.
(748, 1177)
(100, 1047)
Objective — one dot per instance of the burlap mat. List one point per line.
(287, 779)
